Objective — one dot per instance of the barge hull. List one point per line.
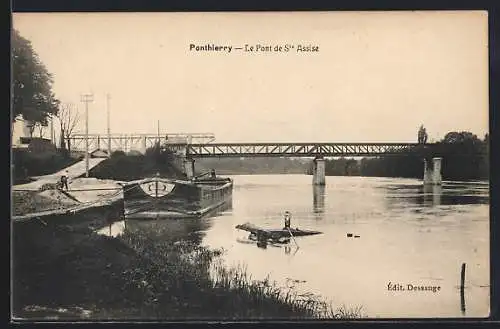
(176, 199)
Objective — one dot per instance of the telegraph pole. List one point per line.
(87, 98)
(108, 97)
(52, 139)
(158, 128)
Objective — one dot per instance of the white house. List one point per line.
(21, 128)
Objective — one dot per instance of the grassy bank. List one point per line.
(137, 276)
(25, 202)
(26, 164)
(131, 167)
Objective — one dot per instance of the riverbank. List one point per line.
(82, 191)
(84, 275)
(64, 270)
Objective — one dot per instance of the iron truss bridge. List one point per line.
(226, 150)
(139, 142)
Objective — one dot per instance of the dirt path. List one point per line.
(73, 171)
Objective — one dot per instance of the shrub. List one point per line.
(130, 167)
(27, 163)
(118, 153)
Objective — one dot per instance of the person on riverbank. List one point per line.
(288, 218)
(64, 181)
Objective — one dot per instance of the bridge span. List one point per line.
(318, 151)
(183, 145)
(231, 150)
(136, 142)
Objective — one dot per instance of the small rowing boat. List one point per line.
(274, 234)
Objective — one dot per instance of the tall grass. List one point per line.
(138, 277)
(182, 280)
(266, 292)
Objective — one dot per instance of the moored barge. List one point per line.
(164, 198)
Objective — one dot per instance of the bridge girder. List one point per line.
(127, 142)
(207, 149)
(225, 150)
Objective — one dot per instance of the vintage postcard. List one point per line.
(246, 166)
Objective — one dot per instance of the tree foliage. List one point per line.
(459, 150)
(125, 167)
(33, 98)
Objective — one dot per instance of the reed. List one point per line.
(187, 281)
(277, 298)
(136, 277)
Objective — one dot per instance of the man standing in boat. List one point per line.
(288, 218)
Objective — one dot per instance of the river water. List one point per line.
(408, 234)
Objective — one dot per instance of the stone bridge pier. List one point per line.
(144, 145)
(189, 167)
(319, 171)
(432, 172)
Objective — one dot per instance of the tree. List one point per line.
(41, 128)
(33, 98)
(32, 129)
(422, 135)
(463, 158)
(37, 126)
(69, 118)
(461, 137)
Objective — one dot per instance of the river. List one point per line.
(407, 235)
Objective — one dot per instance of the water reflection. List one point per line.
(172, 230)
(432, 195)
(225, 207)
(417, 195)
(165, 229)
(408, 232)
(169, 230)
(113, 229)
(288, 250)
(319, 199)
(159, 229)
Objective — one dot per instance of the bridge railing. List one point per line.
(127, 142)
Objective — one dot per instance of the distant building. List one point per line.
(99, 154)
(21, 128)
(27, 125)
(21, 132)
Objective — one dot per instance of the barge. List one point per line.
(165, 198)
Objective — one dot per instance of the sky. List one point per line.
(376, 77)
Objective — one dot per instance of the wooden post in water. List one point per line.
(462, 286)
